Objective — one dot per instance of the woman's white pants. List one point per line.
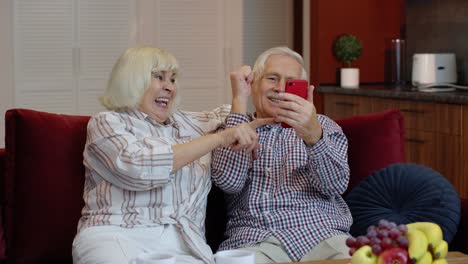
(117, 245)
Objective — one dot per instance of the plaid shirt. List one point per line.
(290, 191)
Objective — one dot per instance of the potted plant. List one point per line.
(347, 49)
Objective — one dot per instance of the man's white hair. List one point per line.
(259, 66)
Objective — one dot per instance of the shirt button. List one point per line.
(266, 213)
(268, 169)
(266, 194)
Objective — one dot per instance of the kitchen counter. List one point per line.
(406, 93)
(436, 124)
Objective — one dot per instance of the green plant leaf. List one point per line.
(347, 49)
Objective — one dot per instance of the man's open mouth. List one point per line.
(273, 98)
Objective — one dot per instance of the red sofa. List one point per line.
(42, 176)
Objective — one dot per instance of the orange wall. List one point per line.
(374, 22)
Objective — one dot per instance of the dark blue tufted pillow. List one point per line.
(404, 193)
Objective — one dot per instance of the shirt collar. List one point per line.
(143, 116)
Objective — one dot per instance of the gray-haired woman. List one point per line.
(148, 166)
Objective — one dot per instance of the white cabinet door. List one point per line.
(193, 30)
(104, 31)
(65, 49)
(43, 55)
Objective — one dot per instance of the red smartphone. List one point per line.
(297, 87)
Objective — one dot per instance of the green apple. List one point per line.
(364, 255)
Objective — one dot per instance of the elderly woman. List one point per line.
(148, 166)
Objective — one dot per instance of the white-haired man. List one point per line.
(284, 200)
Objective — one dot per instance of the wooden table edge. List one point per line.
(452, 257)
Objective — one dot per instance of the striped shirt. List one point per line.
(291, 191)
(128, 181)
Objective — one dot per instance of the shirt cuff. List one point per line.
(235, 119)
(319, 149)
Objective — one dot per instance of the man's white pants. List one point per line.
(271, 250)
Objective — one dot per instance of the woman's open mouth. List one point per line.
(162, 101)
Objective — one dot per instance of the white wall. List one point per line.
(306, 34)
(266, 24)
(6, 63)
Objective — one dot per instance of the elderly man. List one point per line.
(284, 199)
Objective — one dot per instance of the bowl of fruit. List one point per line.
(390, 243)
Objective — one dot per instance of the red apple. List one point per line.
(394, 256)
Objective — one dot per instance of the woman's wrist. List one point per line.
(219, 138)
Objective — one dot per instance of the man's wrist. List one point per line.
(239, 105)
(313, 139)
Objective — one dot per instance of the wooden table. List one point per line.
(452, 257)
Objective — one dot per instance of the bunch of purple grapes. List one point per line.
(385, 235)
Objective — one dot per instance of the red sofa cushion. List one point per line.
(43, 183)
(375, 141)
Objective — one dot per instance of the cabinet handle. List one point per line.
(413, 111)
(417, 141)
(345, 104)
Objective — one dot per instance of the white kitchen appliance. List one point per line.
(434, 70)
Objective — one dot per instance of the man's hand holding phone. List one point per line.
(300, 114)
(297, 87)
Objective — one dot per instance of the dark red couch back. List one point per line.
(43, 184)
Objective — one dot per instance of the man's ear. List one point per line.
(254, 83)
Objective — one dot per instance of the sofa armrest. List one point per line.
(2, 202)
(2, 168)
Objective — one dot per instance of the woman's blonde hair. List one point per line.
(131, 76)
(259, 66)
